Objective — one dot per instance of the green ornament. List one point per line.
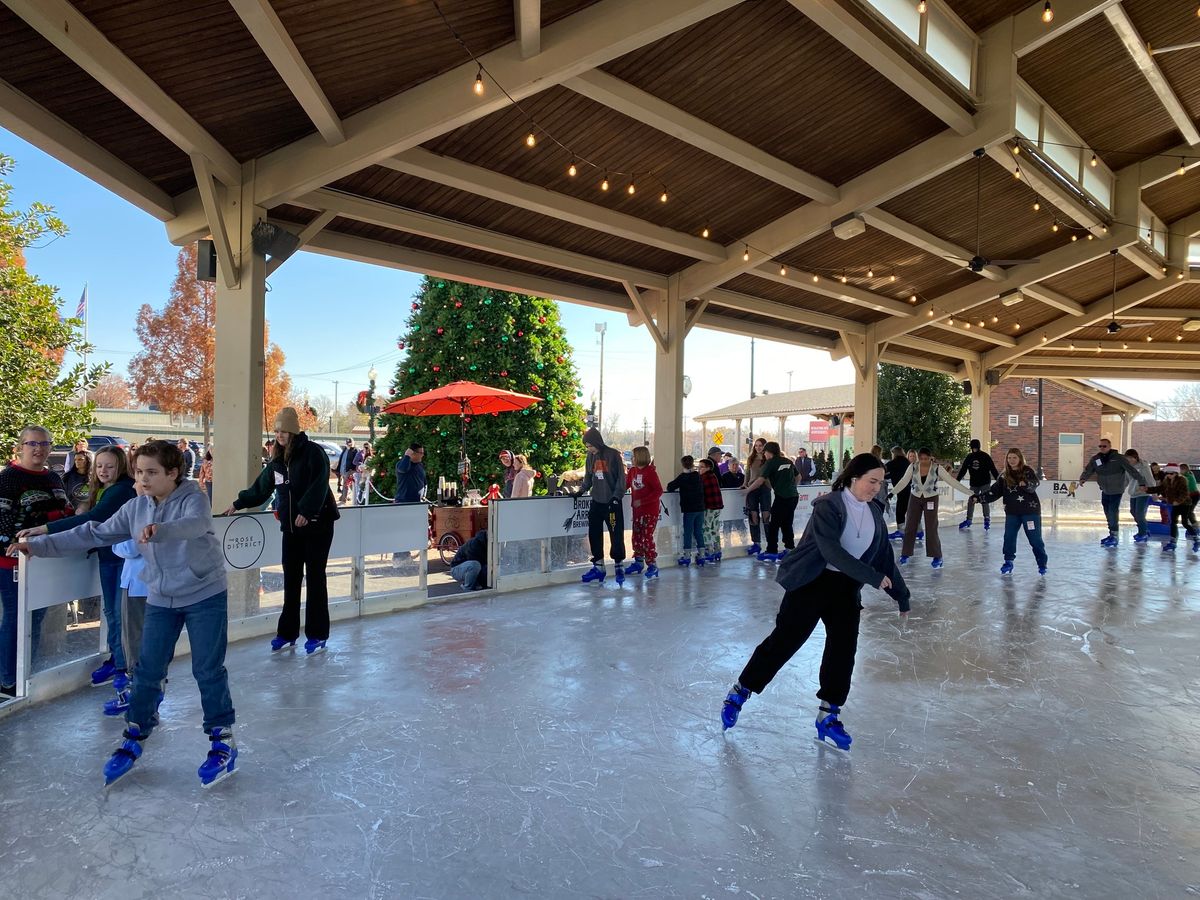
(470, 326)
(416, 328)
(487, 302)
(411, 370)
(473, 368)
(442, 433)
(524, 412)
(441, 284)
(534, 445)
(540, 366)
(504, 338)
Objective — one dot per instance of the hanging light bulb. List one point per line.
(1048, 13)
(1094, 162)
(982, 324)
(870, 272)
(1124, 346)
(1017, 174)
(995, 319)
(950, 321)
(1149, 338)
(1017, 326)
(843, 278)
(1071, 345)
(783, 270)
(530, 139)
(1179, 337)
(912, 299)
(662, 198)
(572, 170)
(604, 183)
(704, 233)
(479, 83)
(1054, 227)
(892, 278)
(1074, 238)
(967, 325)
(746, 254)
(929, 312)
(1016, 149)
(1091, 237)
(1182, 170)
(816, 278)
(632, 189)
(1037, 206)
(922, 8)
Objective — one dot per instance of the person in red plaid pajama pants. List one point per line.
(642, 480)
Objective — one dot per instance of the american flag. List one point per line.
(81, 309)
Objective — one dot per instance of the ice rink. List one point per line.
(1021, 737)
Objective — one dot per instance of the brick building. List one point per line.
(1077, 414)
(1168, 441)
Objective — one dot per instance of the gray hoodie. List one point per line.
(604, 472)
(184, 561)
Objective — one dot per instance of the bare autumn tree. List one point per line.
(278, 391)
(176, 368)
(111, 392)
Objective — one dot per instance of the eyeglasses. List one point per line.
(35, 443)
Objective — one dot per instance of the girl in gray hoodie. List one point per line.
(185, 573)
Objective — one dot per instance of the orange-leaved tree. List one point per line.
(111, 392)
(278, 391)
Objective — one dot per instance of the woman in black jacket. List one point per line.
(844, 546)
(1022, 509)
(299, 473)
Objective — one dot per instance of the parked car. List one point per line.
(332, 450)
(96, 441)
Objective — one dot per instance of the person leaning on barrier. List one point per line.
(469, 566)
(299, 474)
(30, 495)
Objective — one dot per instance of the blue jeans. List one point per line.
(207, 623)
(467, 574)
(1032, 527)
(1137, 509)
(8, 628)
(110, 591)
(693, 529)
(1112, 509)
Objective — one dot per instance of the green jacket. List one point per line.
(302, 485)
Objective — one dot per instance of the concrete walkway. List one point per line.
(1022, 737)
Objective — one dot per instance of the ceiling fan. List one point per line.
(979, 262)
(1114, 326)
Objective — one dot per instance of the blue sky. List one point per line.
(124, 257)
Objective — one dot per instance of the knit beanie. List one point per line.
(288, 421)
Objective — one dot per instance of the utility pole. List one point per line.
(1041, 424)
(336, 411)
(645, 431)
(750, 438)
(789, 375)
(601, 328)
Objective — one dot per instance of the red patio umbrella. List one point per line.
(461, 398)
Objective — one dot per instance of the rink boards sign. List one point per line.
(1069, 490)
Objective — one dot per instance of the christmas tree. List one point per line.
(460, 332)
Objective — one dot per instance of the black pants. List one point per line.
(305, 554)
(603, 516)
(1183, 512)
(783, 510)
(902, 507)
(832, 598)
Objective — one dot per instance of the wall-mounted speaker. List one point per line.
(966, 387)
(206, 261)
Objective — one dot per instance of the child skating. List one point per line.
(710, 483)
(185, 572)
(646, 489)
(691, 508)
(844, 546)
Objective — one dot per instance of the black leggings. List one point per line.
(832, 598)
(783, 510)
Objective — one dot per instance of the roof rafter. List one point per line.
(581, 41)
(728, 325)
(272, 37)
(637, 104)
(74, 35)
(34, 123)
(1031, 32)
(827, 287)
(505, 189)
(782, 311)
(842, 23)
(1053, 298)
(920, 238)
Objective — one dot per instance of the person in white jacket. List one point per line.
(922, 479)
(1139, 500)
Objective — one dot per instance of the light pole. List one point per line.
(371, 408)
(600, 329)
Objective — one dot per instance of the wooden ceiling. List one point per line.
(769, 90)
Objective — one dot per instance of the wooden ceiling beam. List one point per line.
(1030, 32)
(1050, 190)
(829, 287)
(34, 123)
(978, 334)
(630, 101)
(1053, 298)
(916, 361)
(1163, 166)
(1097, 311)
(923, 240)
(527, 19)
(1158, 348)
(399, 219)
(273, 39)
(482, 182)
(1097, 361)
(729, 325)
(935, 347)
(1179, 373)
(60, 23)
(573, 45)
(842, 23)
(782, 311)
(1124, 27)
(344, 246)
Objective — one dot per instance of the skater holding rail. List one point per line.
(844, 546)
(185, 573)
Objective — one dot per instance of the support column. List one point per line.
(981, 405)
(668, 378)
(782, 434)
(1126, 431)
(864, 353)
(240, 366)
(738, 451)
(703, 436)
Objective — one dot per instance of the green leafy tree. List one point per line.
(33, 338)
(923, 409)
(461, 332)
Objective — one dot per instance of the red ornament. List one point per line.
(467, 419)
(400, 345)
(534, 388)
(561, 360)
(416, 305)
(391, 392)
(541, 320)
(439, 331)
(563, 433)
(504, 373)
(437, 368)
(520, 334)
(458, 304)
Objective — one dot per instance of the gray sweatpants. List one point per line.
(133, 615)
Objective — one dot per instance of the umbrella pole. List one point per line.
(463, 464)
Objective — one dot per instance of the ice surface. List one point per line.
(1020, 737)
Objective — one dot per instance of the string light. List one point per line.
(1149, 338)
(479, 83)
(632, 189)
(1017, 174)
(982, 323)
(1091, 237)
(1044, 338)
(662, 198)
(572, 170)
(913, 299)
(1016, 149)
(870, 273)
(1182, 170)
(1054, 227)
(930, 312)
(704, 233)
(1179, 337)
(816, 278)
(746, 254)
(950, 320)
(1124, 346)
(1037, 206)
(783, 270)
(1071, 345)
(922, 8)
(1047, 13)
(1094, 162)
(967, 325)
(530, 139)
(604, 183)
(995, 319)
(1074, 238)
(1017, 326)
(892, 278)
(843, 278)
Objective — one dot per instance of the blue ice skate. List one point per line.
(634, 568)
(903, 560)
(937, 562)
(830, 730)
(1110, 541)
(121, 762)
(120, 680)
(753, 550)
(278, 643)
(964, 524)
(1041, 570)
(221, 759)
(896, 536)
(595, 573)
(768, 557)
(311, 646)
(105, 673)
(1169, 547)
(733, 705)
(118, 705)
(699, 560)
(684, 561)
(620, 573)
(1007, 568)
(987, 524)
(1141, 538)
(920, 535)
(651, 571)
(1196, 545)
